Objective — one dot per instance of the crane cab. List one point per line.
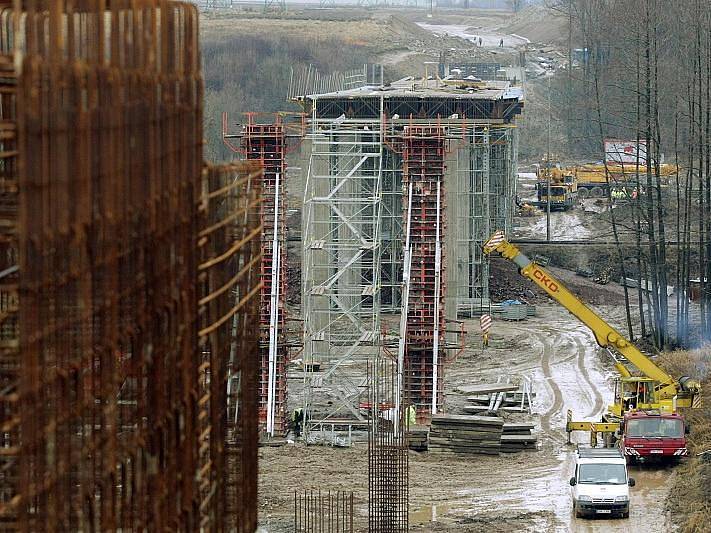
(634, 393)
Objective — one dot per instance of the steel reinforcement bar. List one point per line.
(230, 282)
(127, 389)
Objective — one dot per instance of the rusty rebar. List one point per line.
(325, 512)
(129, 279)
(388, 461)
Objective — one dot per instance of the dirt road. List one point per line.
(490, 38)
(532, 489)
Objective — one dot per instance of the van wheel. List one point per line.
(626, 514)
(578, 513)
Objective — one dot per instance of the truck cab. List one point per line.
(600, 484)
(652, 435)
(563, 189)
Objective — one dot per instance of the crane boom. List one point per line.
(667, 387)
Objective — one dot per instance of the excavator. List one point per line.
(643, 419)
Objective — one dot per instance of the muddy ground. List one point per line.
(520, 492)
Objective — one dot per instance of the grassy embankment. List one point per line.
(690, 497)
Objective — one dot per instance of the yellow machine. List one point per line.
(655, 390)
(563, 189)
(594, 179)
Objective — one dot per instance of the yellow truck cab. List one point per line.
(563, 191)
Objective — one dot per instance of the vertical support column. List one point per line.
(266, 143)
(10, 360)
(423, 167)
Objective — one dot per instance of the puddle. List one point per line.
(429, 513)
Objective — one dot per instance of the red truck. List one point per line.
(651, 435)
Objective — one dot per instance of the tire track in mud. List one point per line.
(548, 375)
(557, 335)
(599, 403)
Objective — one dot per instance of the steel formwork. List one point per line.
(267, 143)
(424, 208)
(341, 276)
(137, 279)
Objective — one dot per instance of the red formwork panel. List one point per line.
(424, 168)
(267, 143)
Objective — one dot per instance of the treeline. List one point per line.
(642, 72)
(251, 73)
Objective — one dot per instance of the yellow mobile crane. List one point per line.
(645, 407)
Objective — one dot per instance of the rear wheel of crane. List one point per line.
(596, 192)
(583, 192)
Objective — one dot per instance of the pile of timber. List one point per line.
(466, 434)
(417, 438)
(517, 438)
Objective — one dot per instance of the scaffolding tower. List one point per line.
(471, 210)
(387, 167)
(341, 261)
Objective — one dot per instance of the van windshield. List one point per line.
(600, 473)
(655, 427)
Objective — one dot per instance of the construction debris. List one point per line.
(489, 399)
(488, 388)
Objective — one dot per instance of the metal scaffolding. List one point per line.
(471, 210)
(392, 231)
(368, 139)
(341, 261)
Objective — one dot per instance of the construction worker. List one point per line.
(501, 43)
(297, 419)
(411, 416)
(485, 339)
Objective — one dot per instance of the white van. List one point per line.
(601, 486)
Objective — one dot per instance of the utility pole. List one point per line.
(548, 166)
